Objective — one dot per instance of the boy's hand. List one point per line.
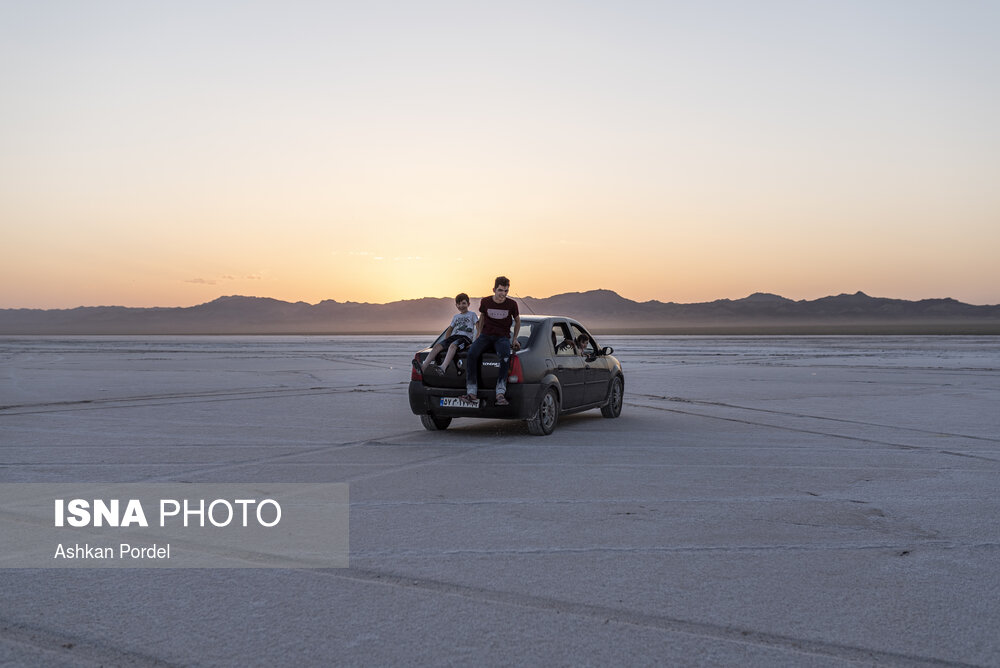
(516, 346)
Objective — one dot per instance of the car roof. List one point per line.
(543, 318)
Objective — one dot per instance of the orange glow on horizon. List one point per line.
(377, 156)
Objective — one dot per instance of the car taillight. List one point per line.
(415, 370)
(516, 374)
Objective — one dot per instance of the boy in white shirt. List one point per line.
(458, 336)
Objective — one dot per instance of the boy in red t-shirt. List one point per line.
(493, 330)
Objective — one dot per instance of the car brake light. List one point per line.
(515, 375)
(414, 370)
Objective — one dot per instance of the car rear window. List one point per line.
(523, 335)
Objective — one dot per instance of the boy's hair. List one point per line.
(461, 297)
(583, 340)
(501, 280)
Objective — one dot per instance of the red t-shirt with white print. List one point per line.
(498, 318)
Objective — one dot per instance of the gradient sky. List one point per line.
(164, 154)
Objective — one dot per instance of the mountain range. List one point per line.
(603, 311)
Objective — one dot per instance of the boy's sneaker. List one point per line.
(438, 370)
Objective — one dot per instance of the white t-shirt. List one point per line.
(464, 324)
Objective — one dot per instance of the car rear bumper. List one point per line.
(523, 398)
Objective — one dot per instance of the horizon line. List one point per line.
(858, 293)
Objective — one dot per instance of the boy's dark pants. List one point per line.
(485, 343)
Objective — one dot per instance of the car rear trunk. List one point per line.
(455, 376)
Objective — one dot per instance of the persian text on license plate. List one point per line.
(456, 402)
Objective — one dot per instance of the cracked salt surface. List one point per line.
(764, 500)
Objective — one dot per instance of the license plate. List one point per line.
(456, 402)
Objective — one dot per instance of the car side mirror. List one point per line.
(607, 350)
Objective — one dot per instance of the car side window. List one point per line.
(562, 340)
(589, 348)
(523, 336)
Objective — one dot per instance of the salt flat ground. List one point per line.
(817, 501)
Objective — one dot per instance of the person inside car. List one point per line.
(458, 336)
(566, 347)
(493, 329)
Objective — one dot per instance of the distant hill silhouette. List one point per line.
(601, 310)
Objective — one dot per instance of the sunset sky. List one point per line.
(164, 154)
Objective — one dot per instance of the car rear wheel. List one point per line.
(616, 397)
(434, 422)
(543, 422)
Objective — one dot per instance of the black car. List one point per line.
(549, 376)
